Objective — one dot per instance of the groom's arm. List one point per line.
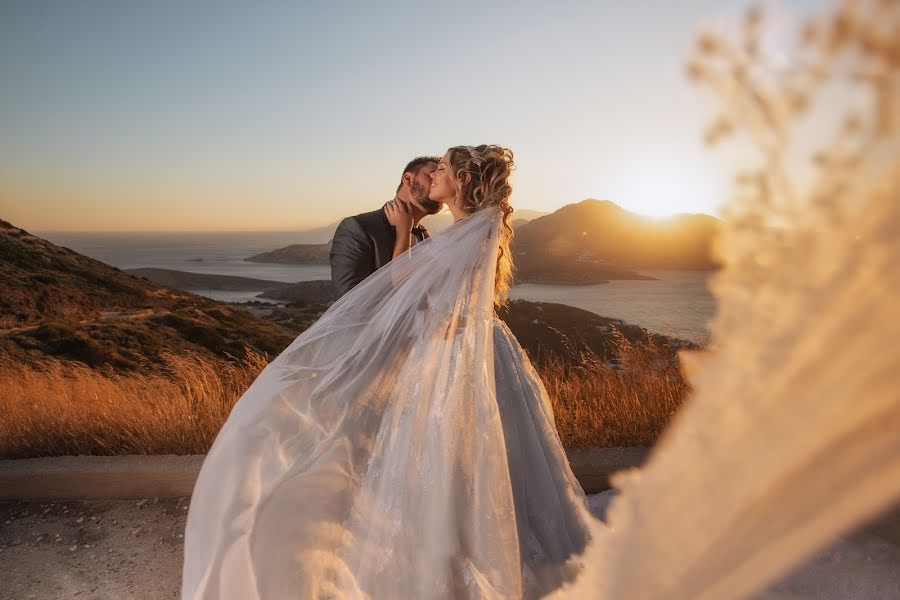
(352, 256)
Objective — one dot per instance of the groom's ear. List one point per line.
(407, 179)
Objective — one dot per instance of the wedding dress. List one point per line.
(401, 447)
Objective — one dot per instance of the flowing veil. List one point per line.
(368, 459)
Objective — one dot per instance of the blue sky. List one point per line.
(167, 115)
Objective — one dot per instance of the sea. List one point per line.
(676, 303)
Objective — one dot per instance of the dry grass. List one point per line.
(67, 409)
(598, 405)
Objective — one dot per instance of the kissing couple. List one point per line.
(403, 446)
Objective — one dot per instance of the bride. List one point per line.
(401, 447)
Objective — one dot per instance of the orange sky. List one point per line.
(287, 117)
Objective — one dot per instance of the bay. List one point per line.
(676, 303)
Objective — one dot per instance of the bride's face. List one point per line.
(443, 189)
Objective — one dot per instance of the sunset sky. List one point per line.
(286, 115)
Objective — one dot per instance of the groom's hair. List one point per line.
(415, 164)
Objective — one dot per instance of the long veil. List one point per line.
(792, 433)
(368, 459)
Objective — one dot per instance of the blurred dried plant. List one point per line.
(857, 49)
(822, 112)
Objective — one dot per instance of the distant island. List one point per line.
(599, 239)
(590, 242)
(295, 254)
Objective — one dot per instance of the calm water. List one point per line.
(221, 254)
(678, 303)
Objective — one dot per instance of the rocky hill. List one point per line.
(546, 329)
(597, 238)
(56, 302)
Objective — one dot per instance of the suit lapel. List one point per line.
(384, 238)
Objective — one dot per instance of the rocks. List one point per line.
(94, 549)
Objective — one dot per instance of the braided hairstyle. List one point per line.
(488, 167)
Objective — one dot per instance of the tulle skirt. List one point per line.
(393, 504)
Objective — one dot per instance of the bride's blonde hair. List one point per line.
(489, 167)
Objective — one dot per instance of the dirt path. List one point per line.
(122, 549)
(132, 550)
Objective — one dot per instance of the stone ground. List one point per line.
(132, 549)
(122, 549)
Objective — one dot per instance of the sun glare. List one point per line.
(661, 188)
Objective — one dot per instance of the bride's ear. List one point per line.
(464, 179)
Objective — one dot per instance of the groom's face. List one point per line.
(420, 183)
(420, 186)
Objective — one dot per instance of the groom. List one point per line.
(364, 243)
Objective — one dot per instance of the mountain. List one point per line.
(600, 235)
(56, 302)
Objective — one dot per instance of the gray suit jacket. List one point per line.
(363, 244)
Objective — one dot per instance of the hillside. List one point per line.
(599, 236)
(56, 302)
(546, 328)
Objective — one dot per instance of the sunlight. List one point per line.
(661, 186)
(661, 195)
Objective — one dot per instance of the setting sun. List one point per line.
(660, 186)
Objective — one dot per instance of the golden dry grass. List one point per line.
(597, 405)
(67, 409)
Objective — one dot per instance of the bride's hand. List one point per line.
(400, 215)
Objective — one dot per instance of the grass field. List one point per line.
(64, 408)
